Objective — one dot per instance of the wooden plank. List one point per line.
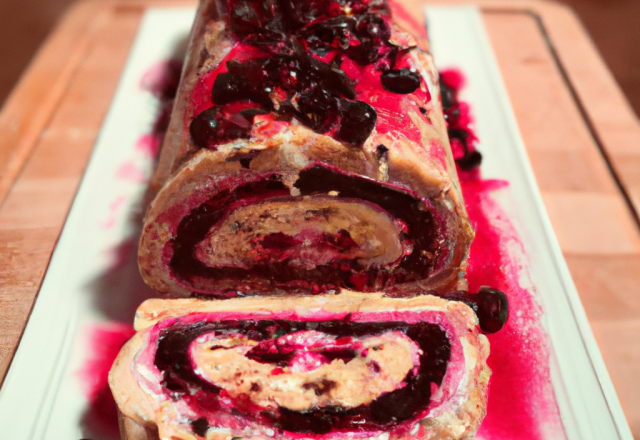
(35, 208)
(35, 98)
(612, 117)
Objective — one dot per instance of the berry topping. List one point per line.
(215, 125)
(257, 19)
(357, 122)
(400, 81)
(470, 159)
(317, 109)
(313, 91)
(243, 82)
(491, 307)
(282, 72)
(373, 33)
(457, 118)
(336, 33)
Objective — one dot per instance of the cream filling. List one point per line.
(237, 241)
(380, 366)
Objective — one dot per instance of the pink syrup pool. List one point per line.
(522, 404)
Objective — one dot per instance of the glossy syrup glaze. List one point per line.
(105, 341)
(291, 60)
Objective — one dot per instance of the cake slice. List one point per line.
(329, 367)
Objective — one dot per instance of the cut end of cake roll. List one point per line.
(299, 164)
(347, 366)
(316, 230)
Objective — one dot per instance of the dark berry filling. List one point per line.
(426, 252)
(491, 307)
(298, 74)
(389, 410)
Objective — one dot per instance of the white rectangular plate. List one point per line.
(86, 284)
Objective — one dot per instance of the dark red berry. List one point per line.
(241, 83)
(336, 33)
(203, 127)
(215, 126)
(257, 21)
(372, 32)
(470, 160)
(317, 110)
(401, 81)
(357, 121)
(491, 307)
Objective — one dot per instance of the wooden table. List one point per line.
(581, 135)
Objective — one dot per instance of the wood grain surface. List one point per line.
(581, 136)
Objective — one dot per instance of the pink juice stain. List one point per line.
(162, 79)
(114, 207)
(105, 342)
(149, 144)
(132, 172)
(521, 399)
(522, 403)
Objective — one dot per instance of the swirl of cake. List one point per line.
(305, 369)
(329, 367)
(307, 152)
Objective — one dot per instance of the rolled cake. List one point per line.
(329, 367)
(307, 153)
